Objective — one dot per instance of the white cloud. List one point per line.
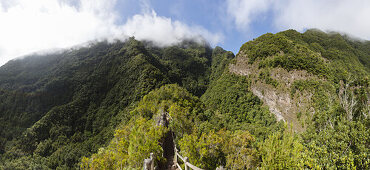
(243, 12)
(29, 26)
(349, 16)
(164, 31)
(32, 25)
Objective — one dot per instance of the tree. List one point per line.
(281, 150)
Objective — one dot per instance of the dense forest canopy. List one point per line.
(96, 107)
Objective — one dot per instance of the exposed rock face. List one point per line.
(271, 99)
(284, 104)
(161, 119)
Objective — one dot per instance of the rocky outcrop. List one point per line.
(284, 104)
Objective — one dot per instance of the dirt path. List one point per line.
(168, 151)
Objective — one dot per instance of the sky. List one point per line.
(28, 26)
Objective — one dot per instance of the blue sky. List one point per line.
(29, 26)
(210, 14)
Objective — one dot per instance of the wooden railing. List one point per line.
(185, 160)
(149, 163)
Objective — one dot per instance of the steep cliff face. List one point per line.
(275, 90)
(297, 75)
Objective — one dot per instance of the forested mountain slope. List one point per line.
(96, 107)
(56, 108)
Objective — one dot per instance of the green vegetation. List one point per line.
(282, 150)
(232, 106)
(338, 131)
(98, 107)
(310, 51)
(61, 107)
(205, 148)
(265, 76)
(130, 146)
(136, 139)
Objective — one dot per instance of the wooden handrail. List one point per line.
(178, 166)
(185, 160)
(182, 158)
(192, 166)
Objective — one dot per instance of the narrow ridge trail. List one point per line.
(168, 145)
(168, 151)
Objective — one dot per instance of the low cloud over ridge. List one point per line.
(30, 26)
(164, 31)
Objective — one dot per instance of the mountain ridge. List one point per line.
(67, 109)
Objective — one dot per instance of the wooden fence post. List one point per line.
(186, 160)
(149, 163)
(152, 158)
(175, 157)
